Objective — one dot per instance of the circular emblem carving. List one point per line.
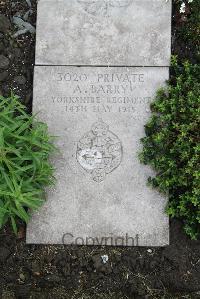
(101, 7)
(99, 151)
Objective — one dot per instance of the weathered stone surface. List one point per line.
(101, 192)
(104, 32)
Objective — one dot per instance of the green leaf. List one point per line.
(14, 225)
(25, 168)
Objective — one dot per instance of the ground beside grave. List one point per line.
(54, 271)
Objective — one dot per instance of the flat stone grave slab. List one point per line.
(104, 32)
(101, 196)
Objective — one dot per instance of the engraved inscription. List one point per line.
(102, 7)
(99, 151)
(102, 92)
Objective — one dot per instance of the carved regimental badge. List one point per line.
(101, 7)
(99, 151)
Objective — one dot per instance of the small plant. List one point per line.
(25, 148)
(172, 145)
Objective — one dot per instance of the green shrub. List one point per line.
(25, 170)
(172, 145)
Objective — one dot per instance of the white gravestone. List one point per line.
(104, 32)
(98, 115)
(92, 91)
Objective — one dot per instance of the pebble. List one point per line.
(104, 259)
(22, 277)
(17, 53)
(35, 267)
(21, 80)
(4, 62)
(100, 266)
(3, 76)
(4, 23)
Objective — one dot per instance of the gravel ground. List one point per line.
(32, 271)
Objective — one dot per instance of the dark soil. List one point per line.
(33, 271)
